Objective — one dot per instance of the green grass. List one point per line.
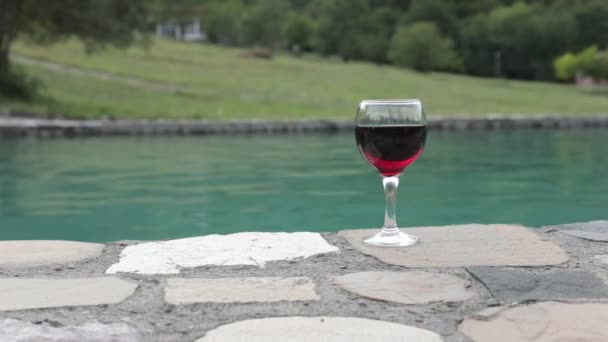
(220, 84)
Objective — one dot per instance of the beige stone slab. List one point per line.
(326, 329)
(540, 322)
(239, 290)
(26, 253)
(465, 245)
(33, 293)
(410, 287)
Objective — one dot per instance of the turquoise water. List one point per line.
(106, 189)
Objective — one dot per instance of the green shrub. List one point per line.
(589, 62)
(299, 32)
(422, 47)
(565, 66)
(16, 84)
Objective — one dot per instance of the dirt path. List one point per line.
(137, 82)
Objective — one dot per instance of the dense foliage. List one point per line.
(498, 38)
(95, 22)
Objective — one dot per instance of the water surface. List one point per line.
(106, 189)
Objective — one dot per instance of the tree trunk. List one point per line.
(10, 85)
(6, 78)
(4, 62)
(7, 18)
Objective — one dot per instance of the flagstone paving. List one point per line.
(593, 231)
(603, 258)
(511, 285)
(466, 245)
(19, 331)
(460, 284)
(329, 329)
(33, 293)
(408, 287)
(239, 290)
(168, 257)
(26, 253)
(540, 322)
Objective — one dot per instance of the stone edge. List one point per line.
(18, 124)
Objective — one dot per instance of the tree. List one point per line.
(518, 41)
(591, 19)
(299, 5)
(421, 46)
(437, 11)
(464, 9)
(299, 32)
(95, 22)
(353, 29)
(554, 32)
(223, 22)
(339, 27)
(375, 33)
(263, 23)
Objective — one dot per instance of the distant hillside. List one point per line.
(187, 80)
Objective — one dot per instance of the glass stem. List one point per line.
(390, 185)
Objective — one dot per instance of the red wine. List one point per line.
(390, 149)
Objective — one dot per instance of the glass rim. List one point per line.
(391, 101)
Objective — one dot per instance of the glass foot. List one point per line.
(393, 239)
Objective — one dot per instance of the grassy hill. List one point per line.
(180, 80)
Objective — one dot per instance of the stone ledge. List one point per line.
(19, 125)
(435, 298)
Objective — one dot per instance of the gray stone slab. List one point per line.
(20, 331)
(465, 245)
(326, 329)
(603, 258)
(591, 236)
(410, 287)
(593, 231)
(26, 253)
(510, 285)
(540, 322)
(33, 293)
(239, 290)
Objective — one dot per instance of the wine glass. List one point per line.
(390, 135)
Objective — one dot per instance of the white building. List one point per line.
(188, 31)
